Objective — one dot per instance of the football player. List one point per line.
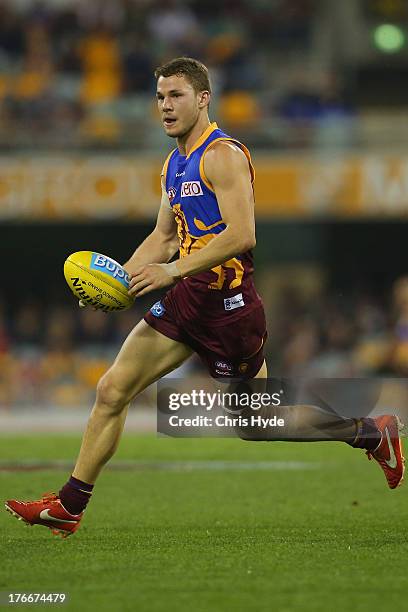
(211, 306)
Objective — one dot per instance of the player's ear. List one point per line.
(204, 99)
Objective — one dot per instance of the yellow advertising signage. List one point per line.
(75, 188)
(126, 187)
(366, 186)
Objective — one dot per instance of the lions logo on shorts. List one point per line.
(243, 367)
(158, 309)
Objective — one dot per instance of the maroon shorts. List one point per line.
(233, 350)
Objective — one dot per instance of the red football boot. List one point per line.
(389, 451)
(47, 511)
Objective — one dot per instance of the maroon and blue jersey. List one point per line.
(226, 292)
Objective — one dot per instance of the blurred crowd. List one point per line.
(340, 335)
(53, 356)
(78, 74)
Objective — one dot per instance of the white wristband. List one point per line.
(172, 270)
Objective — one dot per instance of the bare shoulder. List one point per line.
(224, 157)
(225, 150)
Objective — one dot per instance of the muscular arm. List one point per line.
(161, 244)
(226, 167)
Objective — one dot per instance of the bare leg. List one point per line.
(303, 423)
(263, 372)
(145, 356)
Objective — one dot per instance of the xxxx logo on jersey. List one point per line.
(171, 193)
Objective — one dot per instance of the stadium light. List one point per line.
(389, 38)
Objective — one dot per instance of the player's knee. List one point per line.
(111, 396)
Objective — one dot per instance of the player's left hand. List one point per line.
(152, 276)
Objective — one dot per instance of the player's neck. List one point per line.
(186, 142)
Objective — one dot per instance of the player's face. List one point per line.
(179, 105)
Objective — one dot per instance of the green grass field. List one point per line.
(189, 530)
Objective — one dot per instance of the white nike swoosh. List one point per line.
(45, 516)
(392, 462)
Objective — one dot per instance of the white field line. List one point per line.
(37, 420)
(166, 466)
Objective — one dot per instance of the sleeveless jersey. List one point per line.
(226, 292)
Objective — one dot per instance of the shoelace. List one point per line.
(49, 497)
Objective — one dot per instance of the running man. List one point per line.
(213, 309)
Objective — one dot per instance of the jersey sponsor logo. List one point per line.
(180, 173)
(191, 188)
(111, 267)
(234, 302)
(158, 309)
